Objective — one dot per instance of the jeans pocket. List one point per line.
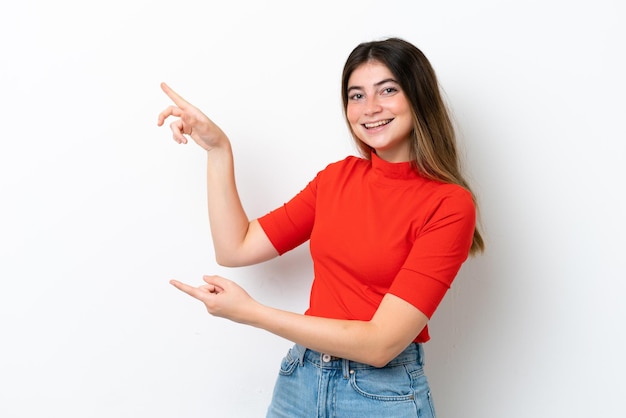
(288, 364)
(384, 384)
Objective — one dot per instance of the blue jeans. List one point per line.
(314, 385)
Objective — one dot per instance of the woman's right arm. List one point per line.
(237, 240)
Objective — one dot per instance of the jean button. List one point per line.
(325, 358)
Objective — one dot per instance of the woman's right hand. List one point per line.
(191, 121)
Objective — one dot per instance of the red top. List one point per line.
(376, 227)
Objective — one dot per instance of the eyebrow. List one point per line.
(387, 80)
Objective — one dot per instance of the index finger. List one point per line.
(176, 98)
(190, 290)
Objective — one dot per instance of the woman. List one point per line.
(388, 233)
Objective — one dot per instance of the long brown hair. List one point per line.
(433, 141)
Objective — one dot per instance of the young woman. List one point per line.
(388, 233)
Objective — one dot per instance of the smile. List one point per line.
(376, 124)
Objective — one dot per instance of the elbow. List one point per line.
(223, 261)
(380, 353)
(232, 259)
(378, 364)
(227, 263)
(241, 257)
(381, 360)
(380, 356)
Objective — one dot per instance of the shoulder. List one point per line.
(454, 191)
(452, 200)
(349, 161)
(346, 165)
(446, 199)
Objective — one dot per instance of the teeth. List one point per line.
(376, 124)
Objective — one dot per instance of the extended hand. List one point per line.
(191, 122)
(222, 297)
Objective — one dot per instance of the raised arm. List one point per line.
(237, 240)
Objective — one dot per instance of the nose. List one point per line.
(372, 105)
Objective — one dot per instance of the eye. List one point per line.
(356, 96)
(389, 90)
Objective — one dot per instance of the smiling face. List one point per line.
(378, 111)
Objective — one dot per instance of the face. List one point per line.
(378, 111)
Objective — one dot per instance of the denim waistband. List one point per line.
(414, 353)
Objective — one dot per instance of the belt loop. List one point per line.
(345, 365)
(300, 351)
(420, 354)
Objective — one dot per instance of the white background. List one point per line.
(99, 208)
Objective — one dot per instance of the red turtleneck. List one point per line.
(376, 227)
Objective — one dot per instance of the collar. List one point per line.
(385, 169)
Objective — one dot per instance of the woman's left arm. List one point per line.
(392, 328)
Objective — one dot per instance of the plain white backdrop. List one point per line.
(99, 208)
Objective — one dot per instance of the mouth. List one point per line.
(376, 124)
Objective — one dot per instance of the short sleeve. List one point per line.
(291, 224)
(438, 252)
